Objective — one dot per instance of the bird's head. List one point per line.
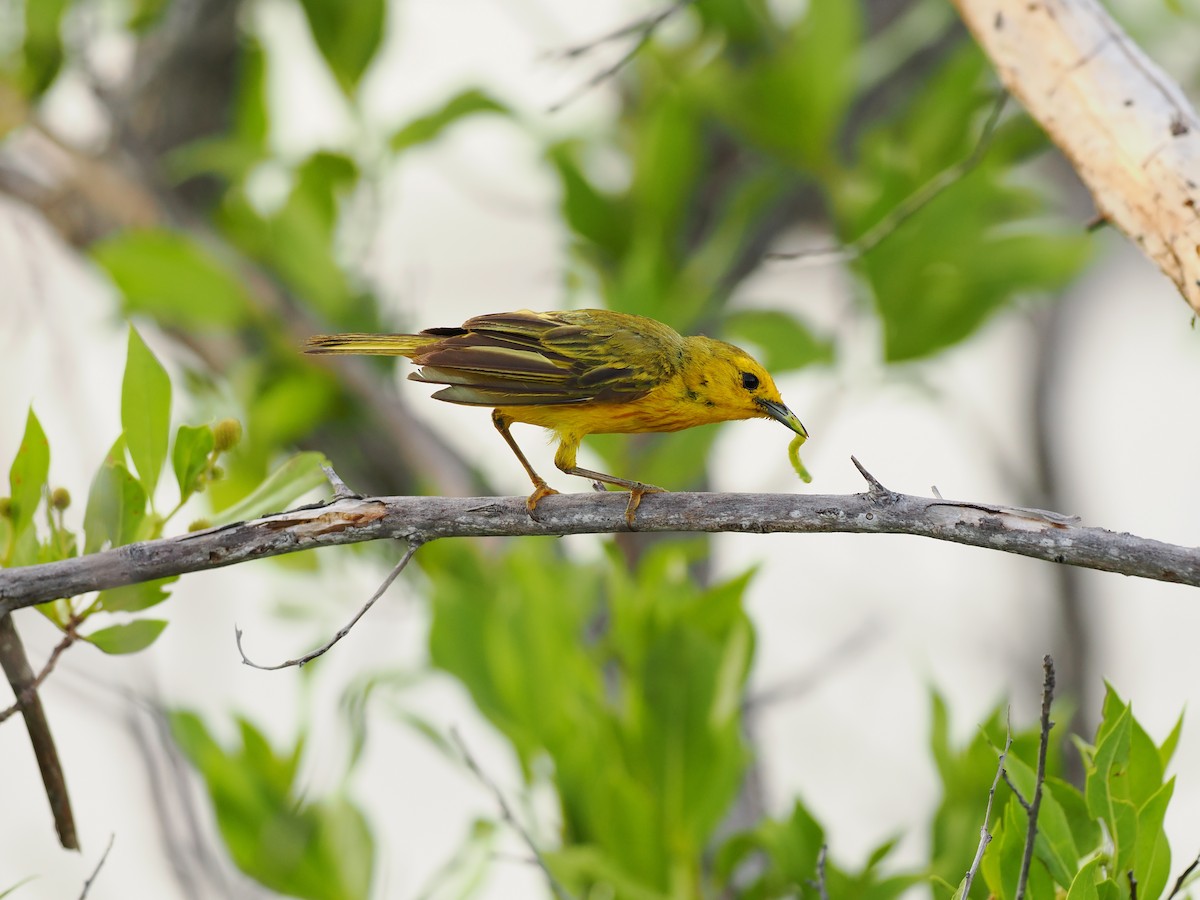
(734, 385)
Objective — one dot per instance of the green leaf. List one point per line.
(584, 869)
(169, 276)
(145, 411)
(43, 48)
(291, 404)
(1055, 843)
(1167, 750)
(116, 508)
(347, 34)
(1145, 774)
(430, 126)
(28, 475)
(790, 102)
(1152, 854)
(297, 240)
(136, 597)
(599, 218)
(1083, 887)
(189, 457)
(127, 638)
(784, 342)
(1086, 834)
(296, 477)
(145, 14)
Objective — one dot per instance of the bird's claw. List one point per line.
(539, 491)
(635, 500)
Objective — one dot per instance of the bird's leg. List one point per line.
(565, 460)
(540, 488)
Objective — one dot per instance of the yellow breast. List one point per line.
(669, 407)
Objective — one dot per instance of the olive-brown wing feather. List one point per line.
(526, 358)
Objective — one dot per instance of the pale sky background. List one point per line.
(469, 225)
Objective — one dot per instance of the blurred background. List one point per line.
(233, 175)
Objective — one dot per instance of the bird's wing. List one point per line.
(527, 358)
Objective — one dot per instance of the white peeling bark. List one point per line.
(1123, 123)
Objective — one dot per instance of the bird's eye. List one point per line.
(749, 381)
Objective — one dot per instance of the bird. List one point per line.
(581, 372)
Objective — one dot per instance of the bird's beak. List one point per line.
(781, 413)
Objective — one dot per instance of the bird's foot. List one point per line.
(636, 493)
(540, 490)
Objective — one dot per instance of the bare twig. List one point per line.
(340, 490)
(820, 885)
(413, 546)
(16, 667)
(643, 29)
(1132, 885)
(30, 690)
(912, 204)
(1179, 882)
(87, 885)
(985, 836)
(1036, 803)
(506, 811)
(1016, 792)
(1027, 532)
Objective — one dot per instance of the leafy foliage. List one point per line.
(644, 769)
(1087, 842)
(318, 849)
(120, 505)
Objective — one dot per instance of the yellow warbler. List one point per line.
(581, 372)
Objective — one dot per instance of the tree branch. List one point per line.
(1028, 532)
(20, 676)
(1125, 126)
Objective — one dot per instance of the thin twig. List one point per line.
(87, 885)
(1036, 804)
(638, 26)
(15, 663)
(1183, 877)
(985, 836)
(340, 490)
(643, 28)
(506, 811)
(27, 694)
(1132, 885)
(344, 630)
(910, 205)
(1016, 792)
(821, 886)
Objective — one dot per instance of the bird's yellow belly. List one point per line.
(652, 412)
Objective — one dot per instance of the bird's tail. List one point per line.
(368, 344)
